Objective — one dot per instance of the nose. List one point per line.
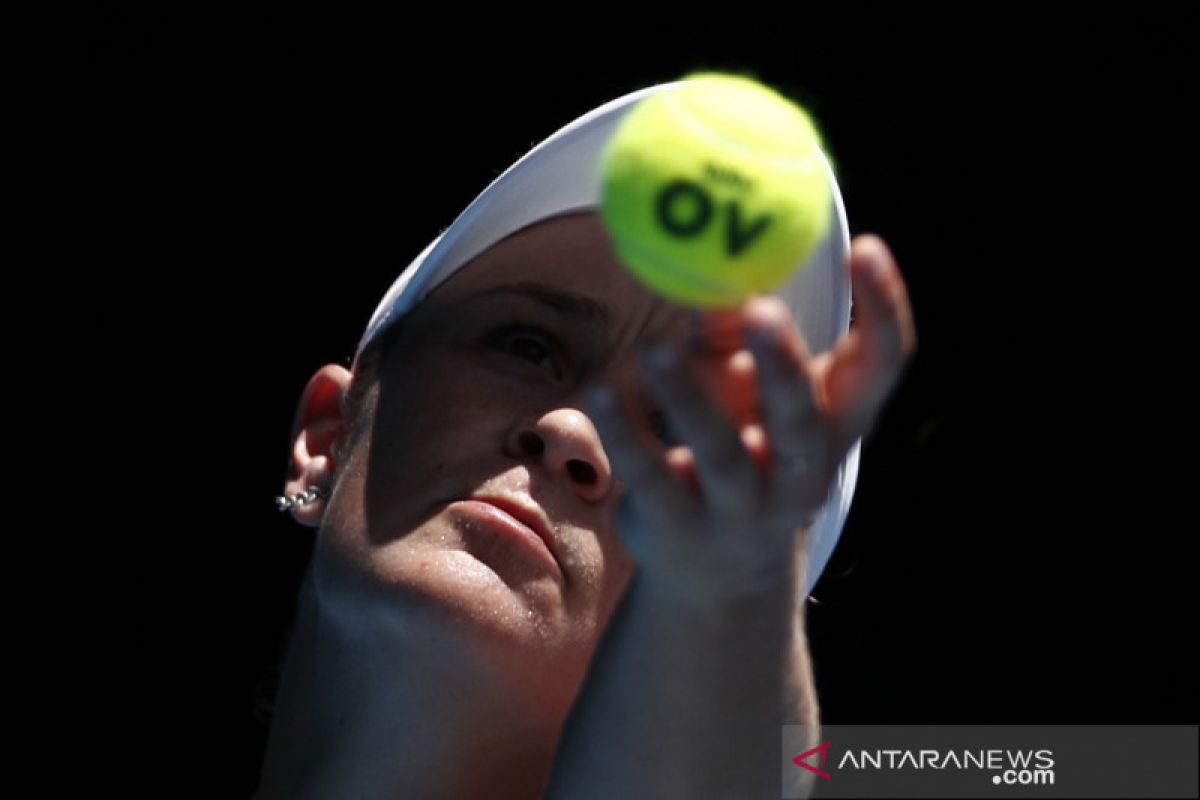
(566, 443)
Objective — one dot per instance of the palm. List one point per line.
(765, 424)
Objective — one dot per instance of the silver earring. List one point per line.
(302, 499)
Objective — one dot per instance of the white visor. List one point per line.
(562, 175)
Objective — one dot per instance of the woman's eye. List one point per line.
(529, 346)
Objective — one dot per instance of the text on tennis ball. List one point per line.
(684, 209)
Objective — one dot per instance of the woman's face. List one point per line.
(481, 397)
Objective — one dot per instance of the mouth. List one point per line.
(516, 519)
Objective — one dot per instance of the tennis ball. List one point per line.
(715, 190)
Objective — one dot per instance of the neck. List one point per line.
(411, 715)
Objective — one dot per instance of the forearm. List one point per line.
(687, 702)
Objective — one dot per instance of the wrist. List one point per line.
(743, 606)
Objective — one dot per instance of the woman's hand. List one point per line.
(762, 434)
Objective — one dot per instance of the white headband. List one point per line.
(561, 175)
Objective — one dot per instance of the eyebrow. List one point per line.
(576, 307)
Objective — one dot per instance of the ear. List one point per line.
(321, 419)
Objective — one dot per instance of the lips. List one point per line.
(525, 515)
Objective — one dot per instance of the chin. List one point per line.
(452, 590)
(434, 579)
(488, 596)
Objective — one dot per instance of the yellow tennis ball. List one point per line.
(715, 190)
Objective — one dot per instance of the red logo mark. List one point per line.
(823, 750)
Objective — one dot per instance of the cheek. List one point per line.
(433, 419)
(426, 440)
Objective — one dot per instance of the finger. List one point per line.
(864, 367)
(726, 472)
(791, 410)
(637, 462)
(716, 330)
(683, 462)
(717, 344)
(731, 378)
(788, 399)
(885, 313)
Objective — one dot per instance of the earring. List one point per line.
(301, 499)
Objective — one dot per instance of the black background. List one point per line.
(1017, 552)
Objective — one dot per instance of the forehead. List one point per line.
(568, 263)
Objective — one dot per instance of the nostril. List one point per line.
(581, 471)
(532, 443)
